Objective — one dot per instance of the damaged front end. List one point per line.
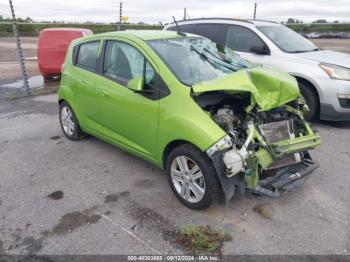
(266, 147)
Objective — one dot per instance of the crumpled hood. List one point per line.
(269, 88)
(327, 56)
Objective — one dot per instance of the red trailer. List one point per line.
(52, 47)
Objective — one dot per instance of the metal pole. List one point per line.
(255, 10)
(185, 16)
(19, 51)
(120, 16)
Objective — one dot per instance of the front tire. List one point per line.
(311, 100)
(69, 122)
(192, 177)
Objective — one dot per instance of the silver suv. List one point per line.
(323, 75)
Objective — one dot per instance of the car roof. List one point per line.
(142, 34)
(252, 22)
(70, 29)
(264, 23)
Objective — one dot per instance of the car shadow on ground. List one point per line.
(333, 124)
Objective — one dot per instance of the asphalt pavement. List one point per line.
(89, 197)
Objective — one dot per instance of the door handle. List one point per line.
(105, 94)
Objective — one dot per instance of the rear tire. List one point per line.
(69, 122)
(200, 181)
(311, 99)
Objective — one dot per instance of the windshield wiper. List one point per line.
(305, 51)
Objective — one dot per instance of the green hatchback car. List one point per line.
(216, 123)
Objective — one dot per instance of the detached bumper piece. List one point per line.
(298, 144)
(286, 179)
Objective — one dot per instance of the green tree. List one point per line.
(28, 20)
(320, 21)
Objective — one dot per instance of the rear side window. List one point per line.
(88, 55)
(242, 39)
(189, 28)
(215, 32)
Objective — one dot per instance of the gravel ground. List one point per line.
(88, 197)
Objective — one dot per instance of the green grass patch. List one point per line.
(320, 28)
(201, 239)
(33, 29)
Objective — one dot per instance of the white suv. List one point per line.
(323, 75)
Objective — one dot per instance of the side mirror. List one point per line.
(136, 84)
(260, 49)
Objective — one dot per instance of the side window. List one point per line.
(150, 75)
(215, 32)
(189, 28)
(87, 55)
(242, 39)
(123, 62)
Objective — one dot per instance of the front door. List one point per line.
(244, 41)
(131, 118)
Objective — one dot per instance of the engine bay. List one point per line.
(263, 142)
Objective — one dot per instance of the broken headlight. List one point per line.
(223, 143)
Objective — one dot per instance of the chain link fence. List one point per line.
(11, 82)
(12, 62)
(19, 71)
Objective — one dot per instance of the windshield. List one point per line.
(288, 40)
(197, 59)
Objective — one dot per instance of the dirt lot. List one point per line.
(341, 45)
(88, 197)
(9, 66)
(8, 48)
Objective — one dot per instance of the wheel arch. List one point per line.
(76, 112)
(172, 145)
(310, 83)
(311, 86)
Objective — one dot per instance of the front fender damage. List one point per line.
(229, 185)
(242, 168)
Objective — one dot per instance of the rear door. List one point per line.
(188, 28)
(242, 40)
(84, 81)
(130, 118)
(215, 32)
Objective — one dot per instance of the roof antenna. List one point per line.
(178, 28)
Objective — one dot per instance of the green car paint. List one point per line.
(148, 128)
(130, 120)
(268, 88)
(264, 158)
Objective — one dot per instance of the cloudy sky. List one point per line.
(153, 11)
